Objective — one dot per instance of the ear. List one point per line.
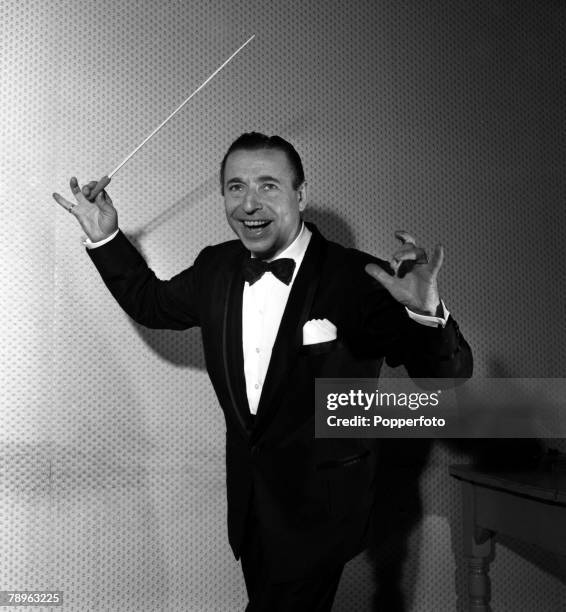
(302, 195)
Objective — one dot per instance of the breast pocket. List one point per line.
(326, 359)
(319, 348)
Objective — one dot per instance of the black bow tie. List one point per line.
(255, 268)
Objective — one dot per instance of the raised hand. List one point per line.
(97, 217)
(413, 283)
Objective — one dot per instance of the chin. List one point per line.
(258, 248)
(263, 252)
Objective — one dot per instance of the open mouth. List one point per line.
(256, 225)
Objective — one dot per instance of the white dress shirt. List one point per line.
(262, 310)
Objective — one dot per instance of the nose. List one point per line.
(251, 202)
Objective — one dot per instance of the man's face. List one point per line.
(262, 206)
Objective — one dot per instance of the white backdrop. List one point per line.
(443, 117)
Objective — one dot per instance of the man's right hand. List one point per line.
(98, 218)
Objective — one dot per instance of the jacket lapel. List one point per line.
(290, 334)
(232, 350)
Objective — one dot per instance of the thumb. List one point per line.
(380, 275)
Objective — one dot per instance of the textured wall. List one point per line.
(446, 118)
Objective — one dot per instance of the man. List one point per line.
(298, 507)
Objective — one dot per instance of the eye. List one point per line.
(269, 186)
(235, 187)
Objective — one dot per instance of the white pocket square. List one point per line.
(318, 330)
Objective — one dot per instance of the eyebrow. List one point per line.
(260, 179)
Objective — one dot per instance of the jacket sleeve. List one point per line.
(432, 352)
(155, 303)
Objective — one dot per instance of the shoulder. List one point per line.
(219, 255)
(351, 261)
(343, 279)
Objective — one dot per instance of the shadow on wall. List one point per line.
(180, 348)
(191, 200)
(331, 225)
(402, 463)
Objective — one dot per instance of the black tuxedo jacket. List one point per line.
(312, 497)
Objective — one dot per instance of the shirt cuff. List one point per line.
(94, 245)
(429, 320)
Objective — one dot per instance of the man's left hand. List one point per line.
(413, 283)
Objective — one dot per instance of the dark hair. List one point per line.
(255, 140)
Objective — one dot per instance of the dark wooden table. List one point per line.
(527, 505)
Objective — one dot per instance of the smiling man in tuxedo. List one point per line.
(278, 308)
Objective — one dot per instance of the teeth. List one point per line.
(255, 223)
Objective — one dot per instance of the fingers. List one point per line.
(72, 207)
(74, 185)
(405, 237)
(437, 258)
(411, 252)
(409, 255)
(87, 189)
(90, 191)
(68, 206)
(102, 183)
(77, 191)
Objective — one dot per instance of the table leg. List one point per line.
(479, 551)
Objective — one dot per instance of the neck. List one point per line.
(271, 256)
